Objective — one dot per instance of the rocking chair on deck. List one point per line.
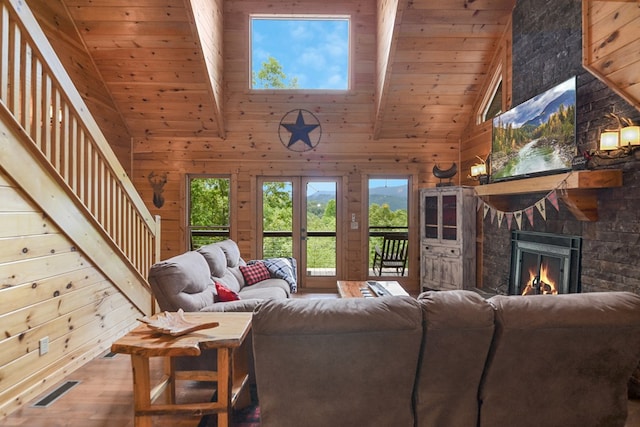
(392, 255)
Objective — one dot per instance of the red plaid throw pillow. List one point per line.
(254, 273)
(225, 294)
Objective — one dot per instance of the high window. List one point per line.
(492, 102)
(300, 52)
(209, 209)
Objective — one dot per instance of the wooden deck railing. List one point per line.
(42, 99)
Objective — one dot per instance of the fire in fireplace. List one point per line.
(543, 263)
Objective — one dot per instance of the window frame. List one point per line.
(367, 255)
(222, 233)
(490, 95)
(299, 16)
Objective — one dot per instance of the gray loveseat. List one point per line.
(447, 359)
(187, 281)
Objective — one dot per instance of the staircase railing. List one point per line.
(39, 94)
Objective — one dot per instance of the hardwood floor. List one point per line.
(103, 398)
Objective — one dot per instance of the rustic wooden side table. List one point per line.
(231, 376)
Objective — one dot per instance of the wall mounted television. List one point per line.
(537, 137)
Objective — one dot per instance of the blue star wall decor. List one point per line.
(305, 129)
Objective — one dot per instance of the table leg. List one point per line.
(141, 390)
(224, 385)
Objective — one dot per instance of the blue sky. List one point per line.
(315, 51)
(534, 106)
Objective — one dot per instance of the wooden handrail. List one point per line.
(39, 94)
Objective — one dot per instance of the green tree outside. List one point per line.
(272, 76)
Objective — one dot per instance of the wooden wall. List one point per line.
(476, 140)
(48, 289)
(61, 32)
(252, 147)
(611, 45)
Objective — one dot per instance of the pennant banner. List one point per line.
(518, 216)
(553, 198)
(542, 208)
(529, 212)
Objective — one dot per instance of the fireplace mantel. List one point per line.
(580, 197)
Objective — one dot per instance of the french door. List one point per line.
(300, 217)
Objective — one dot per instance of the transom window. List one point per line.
(299, 52)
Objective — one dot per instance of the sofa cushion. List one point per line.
(231, 252)
(216, 259)
(225, 294)
(347, 362)
(270, 283)
(230, 281)
(241, 305)
(254, 273)
(561, 360)
(183, 281)
(263, 292)
(458, 331)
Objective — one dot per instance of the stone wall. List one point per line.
(547, 50)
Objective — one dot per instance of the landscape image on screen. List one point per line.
(536, 137)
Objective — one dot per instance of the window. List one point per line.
(300, 52)
(388, 208)
(208, 210)
(495, 106)
(492, 104)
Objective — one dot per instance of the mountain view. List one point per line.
(396, 197)
(537, 136)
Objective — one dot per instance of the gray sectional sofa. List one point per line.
(187, 281)
(447, 359)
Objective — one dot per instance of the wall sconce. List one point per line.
(609, 140)
(479, 171)
(630, 135)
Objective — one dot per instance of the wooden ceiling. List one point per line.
(155, 66)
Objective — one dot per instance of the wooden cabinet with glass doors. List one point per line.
(447, 238)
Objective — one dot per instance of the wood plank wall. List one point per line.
(611, 45)
(62, 35)
(48, 288)
(252, 147)
(476, 141)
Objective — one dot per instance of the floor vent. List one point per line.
(109, 355)
(56, 394)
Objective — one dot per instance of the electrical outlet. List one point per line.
(44, 346)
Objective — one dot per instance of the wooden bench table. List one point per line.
(231, 376)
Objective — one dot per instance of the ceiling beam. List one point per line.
(207, 27)
(388, 28)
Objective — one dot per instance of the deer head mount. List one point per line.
(157, 183)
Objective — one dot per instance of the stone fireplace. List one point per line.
(544, 263)
(547, 49)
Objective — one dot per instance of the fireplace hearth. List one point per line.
(544, 263)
